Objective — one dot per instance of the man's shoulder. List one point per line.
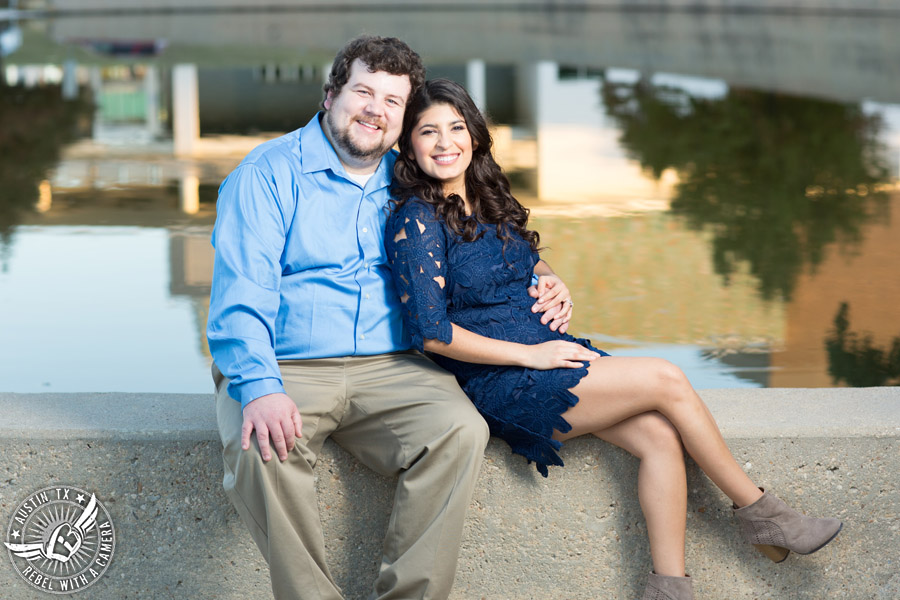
(390, 158)
(276, 152)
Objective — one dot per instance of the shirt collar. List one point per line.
(318, 155)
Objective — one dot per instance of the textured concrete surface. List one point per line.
(153, 460)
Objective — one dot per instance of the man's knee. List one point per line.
(470, 429)
(476, 431)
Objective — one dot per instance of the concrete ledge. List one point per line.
(154, 461)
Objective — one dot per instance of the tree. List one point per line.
(34, 125)
(853, 358)
(775, 178)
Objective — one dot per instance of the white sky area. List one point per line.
(87, 309)
(580, 160)
(698, 87)
(890, 132)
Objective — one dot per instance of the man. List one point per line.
(305, 329)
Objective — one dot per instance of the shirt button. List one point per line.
(362, 336)
(367, 296)
(365, 230)
(366, 265)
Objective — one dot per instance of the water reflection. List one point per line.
(775, 178)
(854, 359)
(88, 309)
(712, 189)
(35, 123)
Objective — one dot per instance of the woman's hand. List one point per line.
(558, 354)
(554, 300)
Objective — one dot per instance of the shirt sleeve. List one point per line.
(416, 250)
(249, 239)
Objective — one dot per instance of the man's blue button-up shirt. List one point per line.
(300, 269)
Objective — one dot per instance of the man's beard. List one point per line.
(342, 138)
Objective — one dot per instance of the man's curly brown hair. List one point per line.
(387, 54)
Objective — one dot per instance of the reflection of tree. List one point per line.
(775, 178)
(854, 359)
(34, 124)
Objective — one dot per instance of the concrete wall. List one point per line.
(153, 460)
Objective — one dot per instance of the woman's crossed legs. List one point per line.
(647, 407)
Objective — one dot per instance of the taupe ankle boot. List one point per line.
(775, 529)
(668, 587)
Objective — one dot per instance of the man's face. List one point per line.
(364, 120)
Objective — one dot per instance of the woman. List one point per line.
(463, 259)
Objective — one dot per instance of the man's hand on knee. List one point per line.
(275, 416)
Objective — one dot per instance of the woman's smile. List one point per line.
(445, 159)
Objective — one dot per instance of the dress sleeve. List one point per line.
(416, 249)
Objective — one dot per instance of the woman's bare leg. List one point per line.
(618, 388)
(662, 487)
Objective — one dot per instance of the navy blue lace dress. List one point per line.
(442, 279)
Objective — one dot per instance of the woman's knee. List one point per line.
(658, 435)
(669, 380)
(668, 374)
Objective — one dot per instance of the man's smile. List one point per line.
(369, 126)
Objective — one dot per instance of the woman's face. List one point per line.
(442, 146)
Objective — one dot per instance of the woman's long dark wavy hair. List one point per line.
(487, 188)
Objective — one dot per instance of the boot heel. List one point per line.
(774, 553)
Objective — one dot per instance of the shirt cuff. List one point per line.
(250, 391)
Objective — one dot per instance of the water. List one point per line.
(718, 190)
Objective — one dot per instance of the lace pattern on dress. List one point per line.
(417, 255)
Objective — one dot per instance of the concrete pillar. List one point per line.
(270, 73)
(70, 80)
(476, 83)
(189, 191)
(288, 72)
(152, 93)
(544, 76)
(45, 196)
(32, 75)
(185, 109)
(10, 74)
(95, 79)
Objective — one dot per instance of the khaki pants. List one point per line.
(399, 414)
